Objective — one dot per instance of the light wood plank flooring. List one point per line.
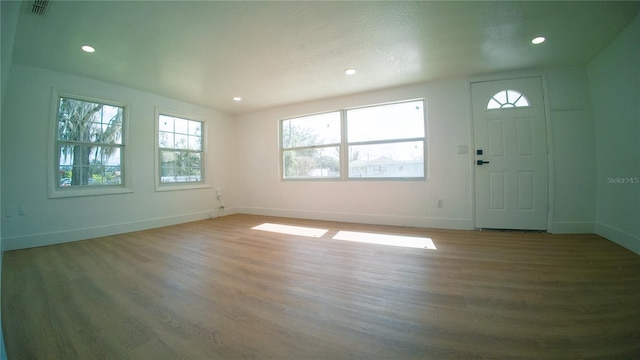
(216, 289)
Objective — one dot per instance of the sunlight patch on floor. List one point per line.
(381, 239)
(291, 230)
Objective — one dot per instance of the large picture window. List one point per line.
(89, 144)
(180, 150)
(373, 142)
(386, 141)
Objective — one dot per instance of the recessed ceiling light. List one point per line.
(87, 48)
(350, 71)
(237, 98)
(538, 40)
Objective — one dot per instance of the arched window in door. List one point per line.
(507, 99)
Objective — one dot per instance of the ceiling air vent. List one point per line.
(39, 6)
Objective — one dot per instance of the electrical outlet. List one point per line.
(440, 203)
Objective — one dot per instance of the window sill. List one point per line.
(170, 187)
(64, 193)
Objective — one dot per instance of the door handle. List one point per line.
(480, 162)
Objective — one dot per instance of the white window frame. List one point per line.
(160, 186)
(56, 191)
(339, 144)
(494, 104)
(344, 147)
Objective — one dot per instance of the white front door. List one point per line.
(511, 170)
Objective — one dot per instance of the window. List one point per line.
(180, 150)
(311, 146)
(374, 142)
(386, 141)
(507, 99)
(89, 144)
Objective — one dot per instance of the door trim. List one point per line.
(547, 112)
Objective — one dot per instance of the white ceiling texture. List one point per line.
(274, 53)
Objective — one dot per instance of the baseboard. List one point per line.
(620, 237)
(3, 350)
(396, 220)
(51, 238)
(572, 227)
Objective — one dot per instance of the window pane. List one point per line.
(386, 122)
(312, 163)
(111, 156)
(166, 140)
(85, 121)
(182, 141)
(68, 130)
(195, 160)
(182, 126)
(117, 137)
(395, 160)
(501, 97)
(195, 143)
(513, 96)
(318, 129)
(165, 123)
(167, 157)
(195, 175)
(166, 172)
(64, 175)
(180, 166)
(493, 104)
(81, 165)
(522, 102)
(195, 128)
(104, 175)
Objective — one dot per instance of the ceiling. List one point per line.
(276, 53)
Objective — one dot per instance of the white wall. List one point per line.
(573, 149)
(450, 174)
(384, 202)
(9, 11)
(244, 159)
(614, 77)
(25, 140)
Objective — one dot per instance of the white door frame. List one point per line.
(547, 113)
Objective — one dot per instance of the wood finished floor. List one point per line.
(218, 289)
